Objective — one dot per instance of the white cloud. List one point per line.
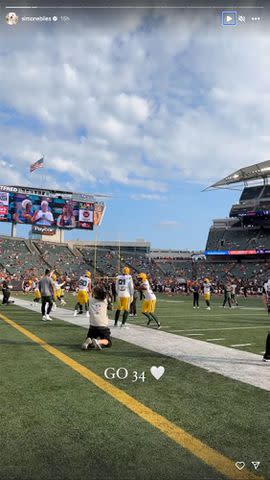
(139, 101)
(170, 224)
(147, 196)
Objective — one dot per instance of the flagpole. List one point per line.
(43, 177)
(95, 254)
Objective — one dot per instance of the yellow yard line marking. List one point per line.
(208, 455)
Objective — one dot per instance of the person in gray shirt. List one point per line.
(46, 291)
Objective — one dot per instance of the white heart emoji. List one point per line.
(240, 465)
(157, 372)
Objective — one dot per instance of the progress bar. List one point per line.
(217, 7)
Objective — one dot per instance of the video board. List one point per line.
(46, 211)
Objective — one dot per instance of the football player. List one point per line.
(149, 302)
(84, 292)
(234, 298)
(35, 287)
(59, 291)
(266, 296)
(54, 278)
(124, 289)
(26, 286)
(207, 292)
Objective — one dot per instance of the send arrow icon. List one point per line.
(256, 465)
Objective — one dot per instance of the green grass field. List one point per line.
(58, 425)
(246, 325)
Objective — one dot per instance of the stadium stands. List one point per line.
(21, 258)
(60, 257)
(238, 239)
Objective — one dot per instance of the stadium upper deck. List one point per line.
(247, 232)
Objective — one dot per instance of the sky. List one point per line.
(150, 106)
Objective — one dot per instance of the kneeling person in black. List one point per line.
(99, 334)
(6, 292)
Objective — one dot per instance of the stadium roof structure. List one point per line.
(258, 171)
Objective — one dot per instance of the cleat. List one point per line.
(159, 326)
(75, 313)
(44, 318)
(86, 344)
(208, 308)
(96, 344)
(194, 307)
(124, 326)
(266, 359)
(87, 314)
(49, 318)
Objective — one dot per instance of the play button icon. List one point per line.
(229, 19)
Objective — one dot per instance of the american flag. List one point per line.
(36, 165)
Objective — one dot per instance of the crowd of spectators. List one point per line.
(20, 259)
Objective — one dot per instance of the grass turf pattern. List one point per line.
(59, 426)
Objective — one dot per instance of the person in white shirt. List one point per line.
(149, 303)
(84, 292)
(99, 334)
(266, 296)
(233, 295)
(43, 216)
(124, 290)
(207, 292)
(266, 291)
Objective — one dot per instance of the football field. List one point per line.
(64, 419)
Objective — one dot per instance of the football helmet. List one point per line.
(142, 276)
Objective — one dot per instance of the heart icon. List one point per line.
(240, 465)
(157, 372)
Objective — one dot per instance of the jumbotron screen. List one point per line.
(49, 211)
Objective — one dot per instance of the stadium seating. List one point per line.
(23, 258)
(18, 257)
(61, 258)
(238, 239)
(176, 268)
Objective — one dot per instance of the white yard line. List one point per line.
(246, 308)
(236, 364)
(195, 334)
(219, 328)
(214, 339)
(241, 345)
(170, 301)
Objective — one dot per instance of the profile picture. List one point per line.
(12, 18)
